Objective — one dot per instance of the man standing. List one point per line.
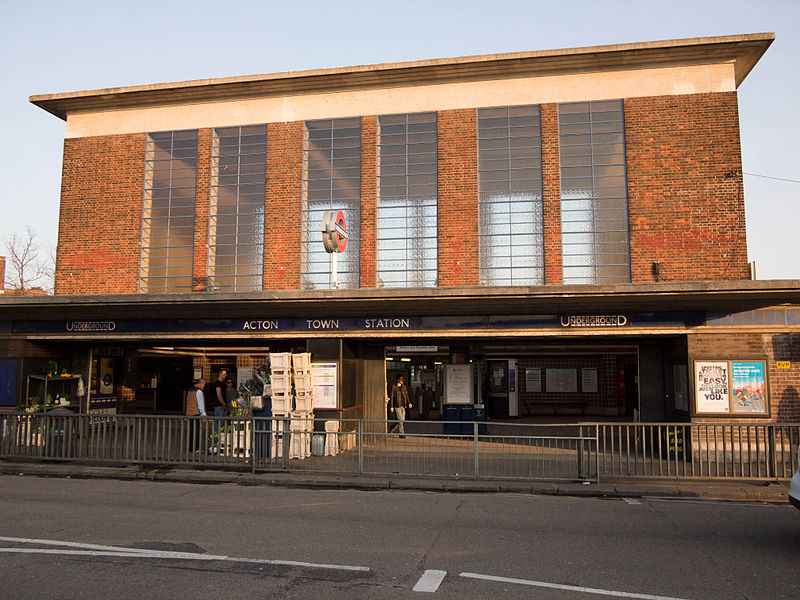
(201, 409)
(220, 407)
(399, 403)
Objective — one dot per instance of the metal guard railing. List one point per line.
(560, 452)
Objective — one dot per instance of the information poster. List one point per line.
(589, 380)
(323, 382)
(749, 384)
(458, 384)
(712, 386)
(562, 380)
(533, 380)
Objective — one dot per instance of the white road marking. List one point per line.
(631, 501)
(571, 588)
(79, 549)
(430, 581)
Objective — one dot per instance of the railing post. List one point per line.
(285, 442)
(252, 444)
(580, 452)
(361, 446)
(597, 450)
(475, 446)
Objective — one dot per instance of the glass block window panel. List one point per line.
(407, 232)
(594, 193)
(331, 181)
(236, 216)
(510, 196)
(168, 212)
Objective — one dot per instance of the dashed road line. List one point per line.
(571, 588)
(79, 549)
(631, 501)
(430, 581)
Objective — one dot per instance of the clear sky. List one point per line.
(48, 47)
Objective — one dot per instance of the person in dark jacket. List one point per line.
(399, 402)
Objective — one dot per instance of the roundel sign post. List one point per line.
(334, 238)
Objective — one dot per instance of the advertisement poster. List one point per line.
(712, 385)
(749, 384)
(323, 382)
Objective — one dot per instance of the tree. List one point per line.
(26, 266)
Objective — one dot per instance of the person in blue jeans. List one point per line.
(399, 403)
(220, 406)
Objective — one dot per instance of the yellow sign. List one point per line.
(784, 364)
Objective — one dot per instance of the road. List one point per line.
(136, 539)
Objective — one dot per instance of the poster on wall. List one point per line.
(562, 380)
(589, 380)
(458, 384)
(712, 386)
(749, 384)
(106, 375)
(323, 382)
(533, 380)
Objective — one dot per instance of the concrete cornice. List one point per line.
(744, 50)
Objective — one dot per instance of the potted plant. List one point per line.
(52, 368)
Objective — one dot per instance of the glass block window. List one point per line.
(331, 181)
(407, 243)
(236, 217)
(510, 196)
(168, 212)
(594, 193)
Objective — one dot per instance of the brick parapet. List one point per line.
(202, 211)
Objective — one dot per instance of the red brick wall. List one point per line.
(283, 203)
(369, 215)
(458, 197)
(783, 385)
(684, 211)
(551, 195)
(100, 220)
(202, 207)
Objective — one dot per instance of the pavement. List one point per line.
(728, 490)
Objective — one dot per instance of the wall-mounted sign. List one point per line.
(323, 382)
(562, 380)
(726, 387)
(594, 320)
(533, 380)
(589, 380)
(91, 326)
(458, 384)
(783, 364)
(334, 231)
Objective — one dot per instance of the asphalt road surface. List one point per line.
(65, 538)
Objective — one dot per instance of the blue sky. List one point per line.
(48, 47)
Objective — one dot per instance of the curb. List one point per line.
(771, 493)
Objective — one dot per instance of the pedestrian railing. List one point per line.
(698, 450)
(563, 452)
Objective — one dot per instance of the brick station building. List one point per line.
(567, 225)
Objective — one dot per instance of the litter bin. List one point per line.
(450, 413)
(466, 416)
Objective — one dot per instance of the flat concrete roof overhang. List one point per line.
(742, 50)
(732, 296)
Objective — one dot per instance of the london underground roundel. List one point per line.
(334, 231)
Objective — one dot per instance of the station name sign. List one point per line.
(265, 323)
(594, 320)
